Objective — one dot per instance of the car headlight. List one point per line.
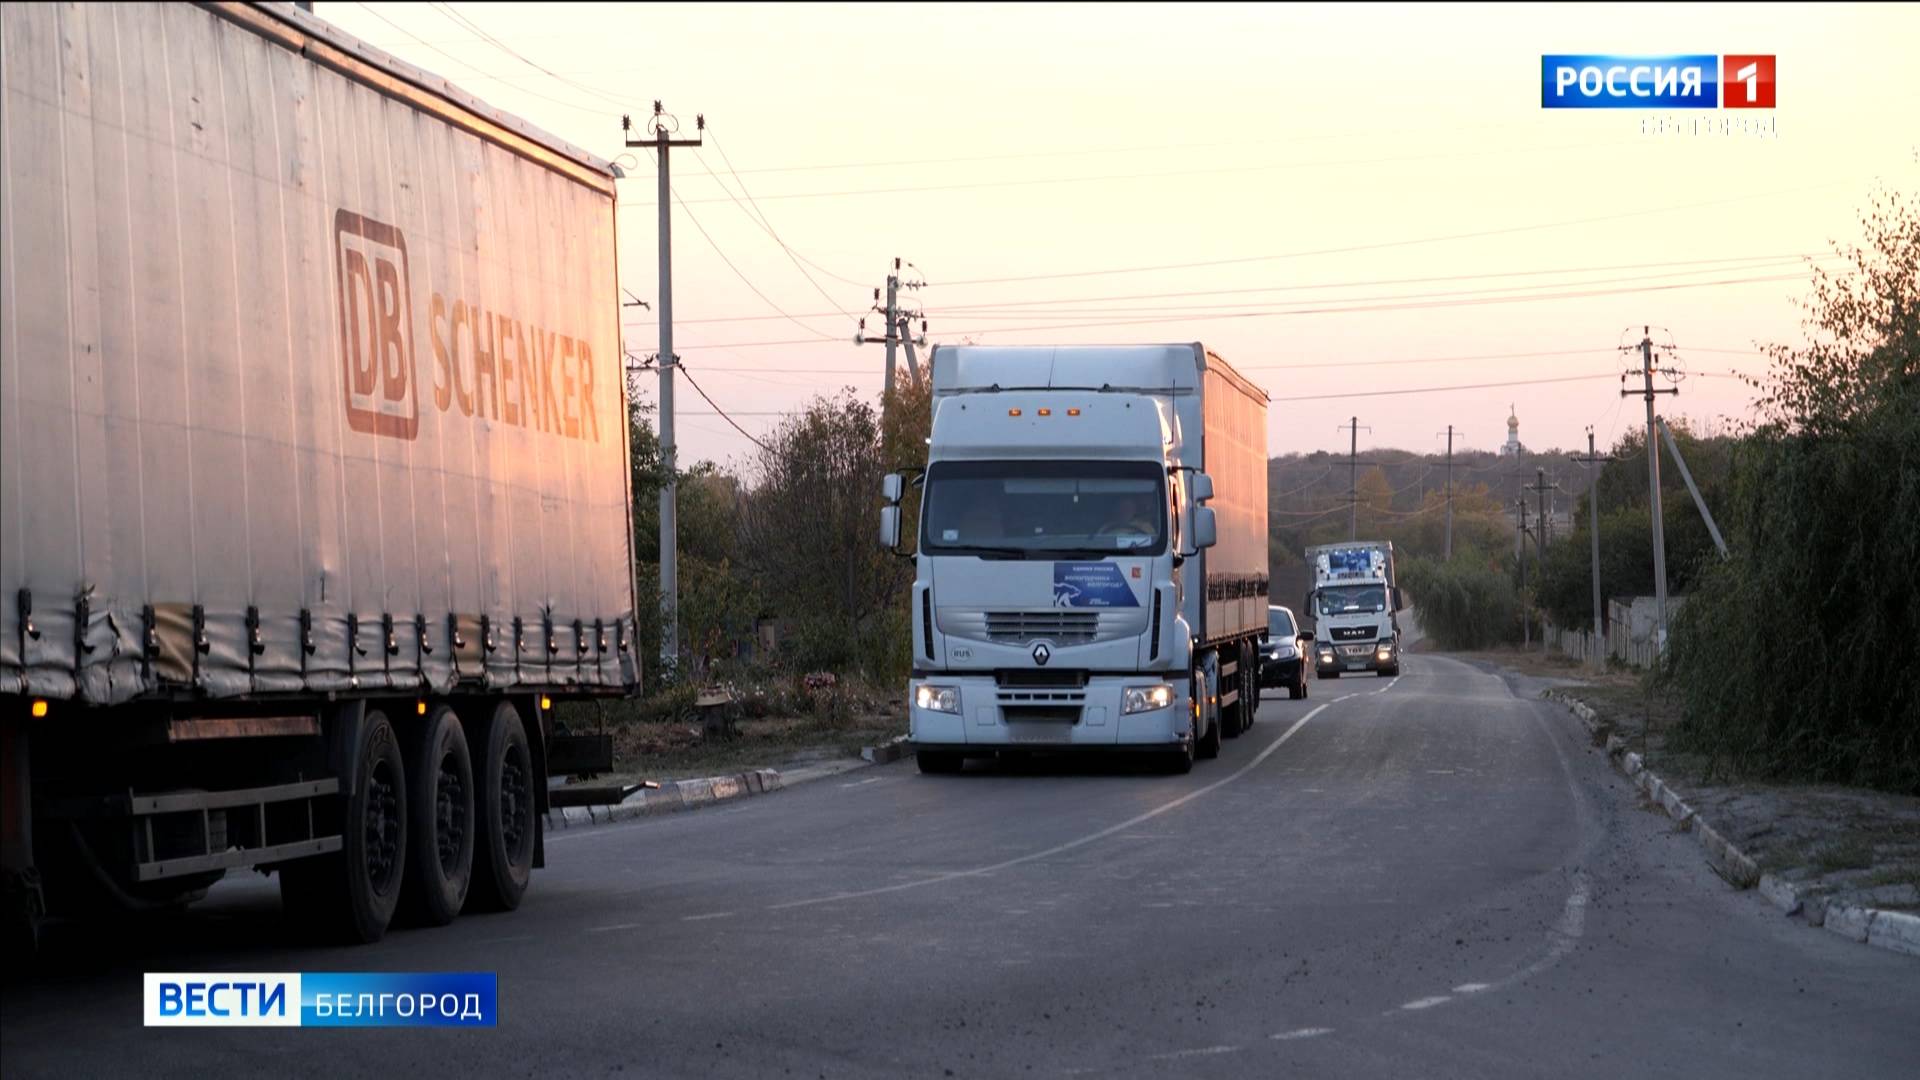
(1283, 652)
(1146, 698)
(944, 699)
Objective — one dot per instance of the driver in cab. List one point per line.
(1130, 519)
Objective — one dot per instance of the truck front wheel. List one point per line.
(503, 810)
(352, 894)
(440, 819)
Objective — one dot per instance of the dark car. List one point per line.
(1283, 653)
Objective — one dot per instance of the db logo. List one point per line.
(376, 326)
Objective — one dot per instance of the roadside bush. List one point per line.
(1468, 603)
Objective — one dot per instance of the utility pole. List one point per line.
(895, 329)
(1593, 461)
(1449, 548)
(1541, 487)
(1520, 550)
(1353, 478)
(1653, 485)
(664, 125)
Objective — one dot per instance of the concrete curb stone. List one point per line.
(668, 798)
(1895, 931)
(892, 750)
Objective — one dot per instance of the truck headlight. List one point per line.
(944, 699)
(1385, 652)
(1146, 698)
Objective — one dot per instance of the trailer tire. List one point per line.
(440, 819)
(503, 810)
(351, 895)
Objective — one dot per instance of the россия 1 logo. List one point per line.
(1694, 81)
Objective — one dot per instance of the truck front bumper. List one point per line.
(1355, 656)
(991, 717)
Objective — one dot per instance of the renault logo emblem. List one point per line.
(1042, 654)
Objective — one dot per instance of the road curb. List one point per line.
(670, 797)
(1895, 931)
(892, 750)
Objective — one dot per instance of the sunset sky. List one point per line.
(1048, 168)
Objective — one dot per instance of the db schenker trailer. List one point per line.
(1091, 567)
(313, 468)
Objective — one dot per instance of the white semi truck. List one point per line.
(1353, 606)
(1091, 565)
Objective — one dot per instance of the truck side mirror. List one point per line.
(1399, 599)
(890, 526)
(1202, 488)
(891, 487)
(1205, 530)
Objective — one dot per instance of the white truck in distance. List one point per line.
(1091, 567)
(1353, 606)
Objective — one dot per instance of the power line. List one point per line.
(467, 64)
(1706, 265)
(743, 277)
(1349, 249)
(722, 412)
(767, 223)
(1444, 389)
(1266, 167)
(1468, 302)
(447, 10)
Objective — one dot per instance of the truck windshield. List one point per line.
(1346, 599)
(1038, 509)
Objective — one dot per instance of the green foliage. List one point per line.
(1796, 657)
(1468, 603)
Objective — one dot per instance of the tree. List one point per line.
(1795, 657)
(808, 532)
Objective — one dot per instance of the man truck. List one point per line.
(1354, 603)
(313, 469)
(1091, 562)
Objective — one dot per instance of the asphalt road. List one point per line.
(1424, 876)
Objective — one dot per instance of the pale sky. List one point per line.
(1039, 142)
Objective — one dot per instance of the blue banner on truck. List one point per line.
(1092, 584)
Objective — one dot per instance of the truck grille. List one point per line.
(1355, 633)
(1355, 650)
(1061, 627)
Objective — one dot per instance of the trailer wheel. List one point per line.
(351, 895)
(440, 819)
(504, 793)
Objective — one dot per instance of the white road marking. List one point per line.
(1203, 1051)
(1427, 1002)
(1471, 988)
(616, 926)
(1387, 687)
(1301, 1033)
(868, 780)
(709, 915)
(1057, 849)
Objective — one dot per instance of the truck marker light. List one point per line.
(1073, 412)
(1046, 412)
(545, 703)
(420, 707)
(39, 708)
(1013, 412)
